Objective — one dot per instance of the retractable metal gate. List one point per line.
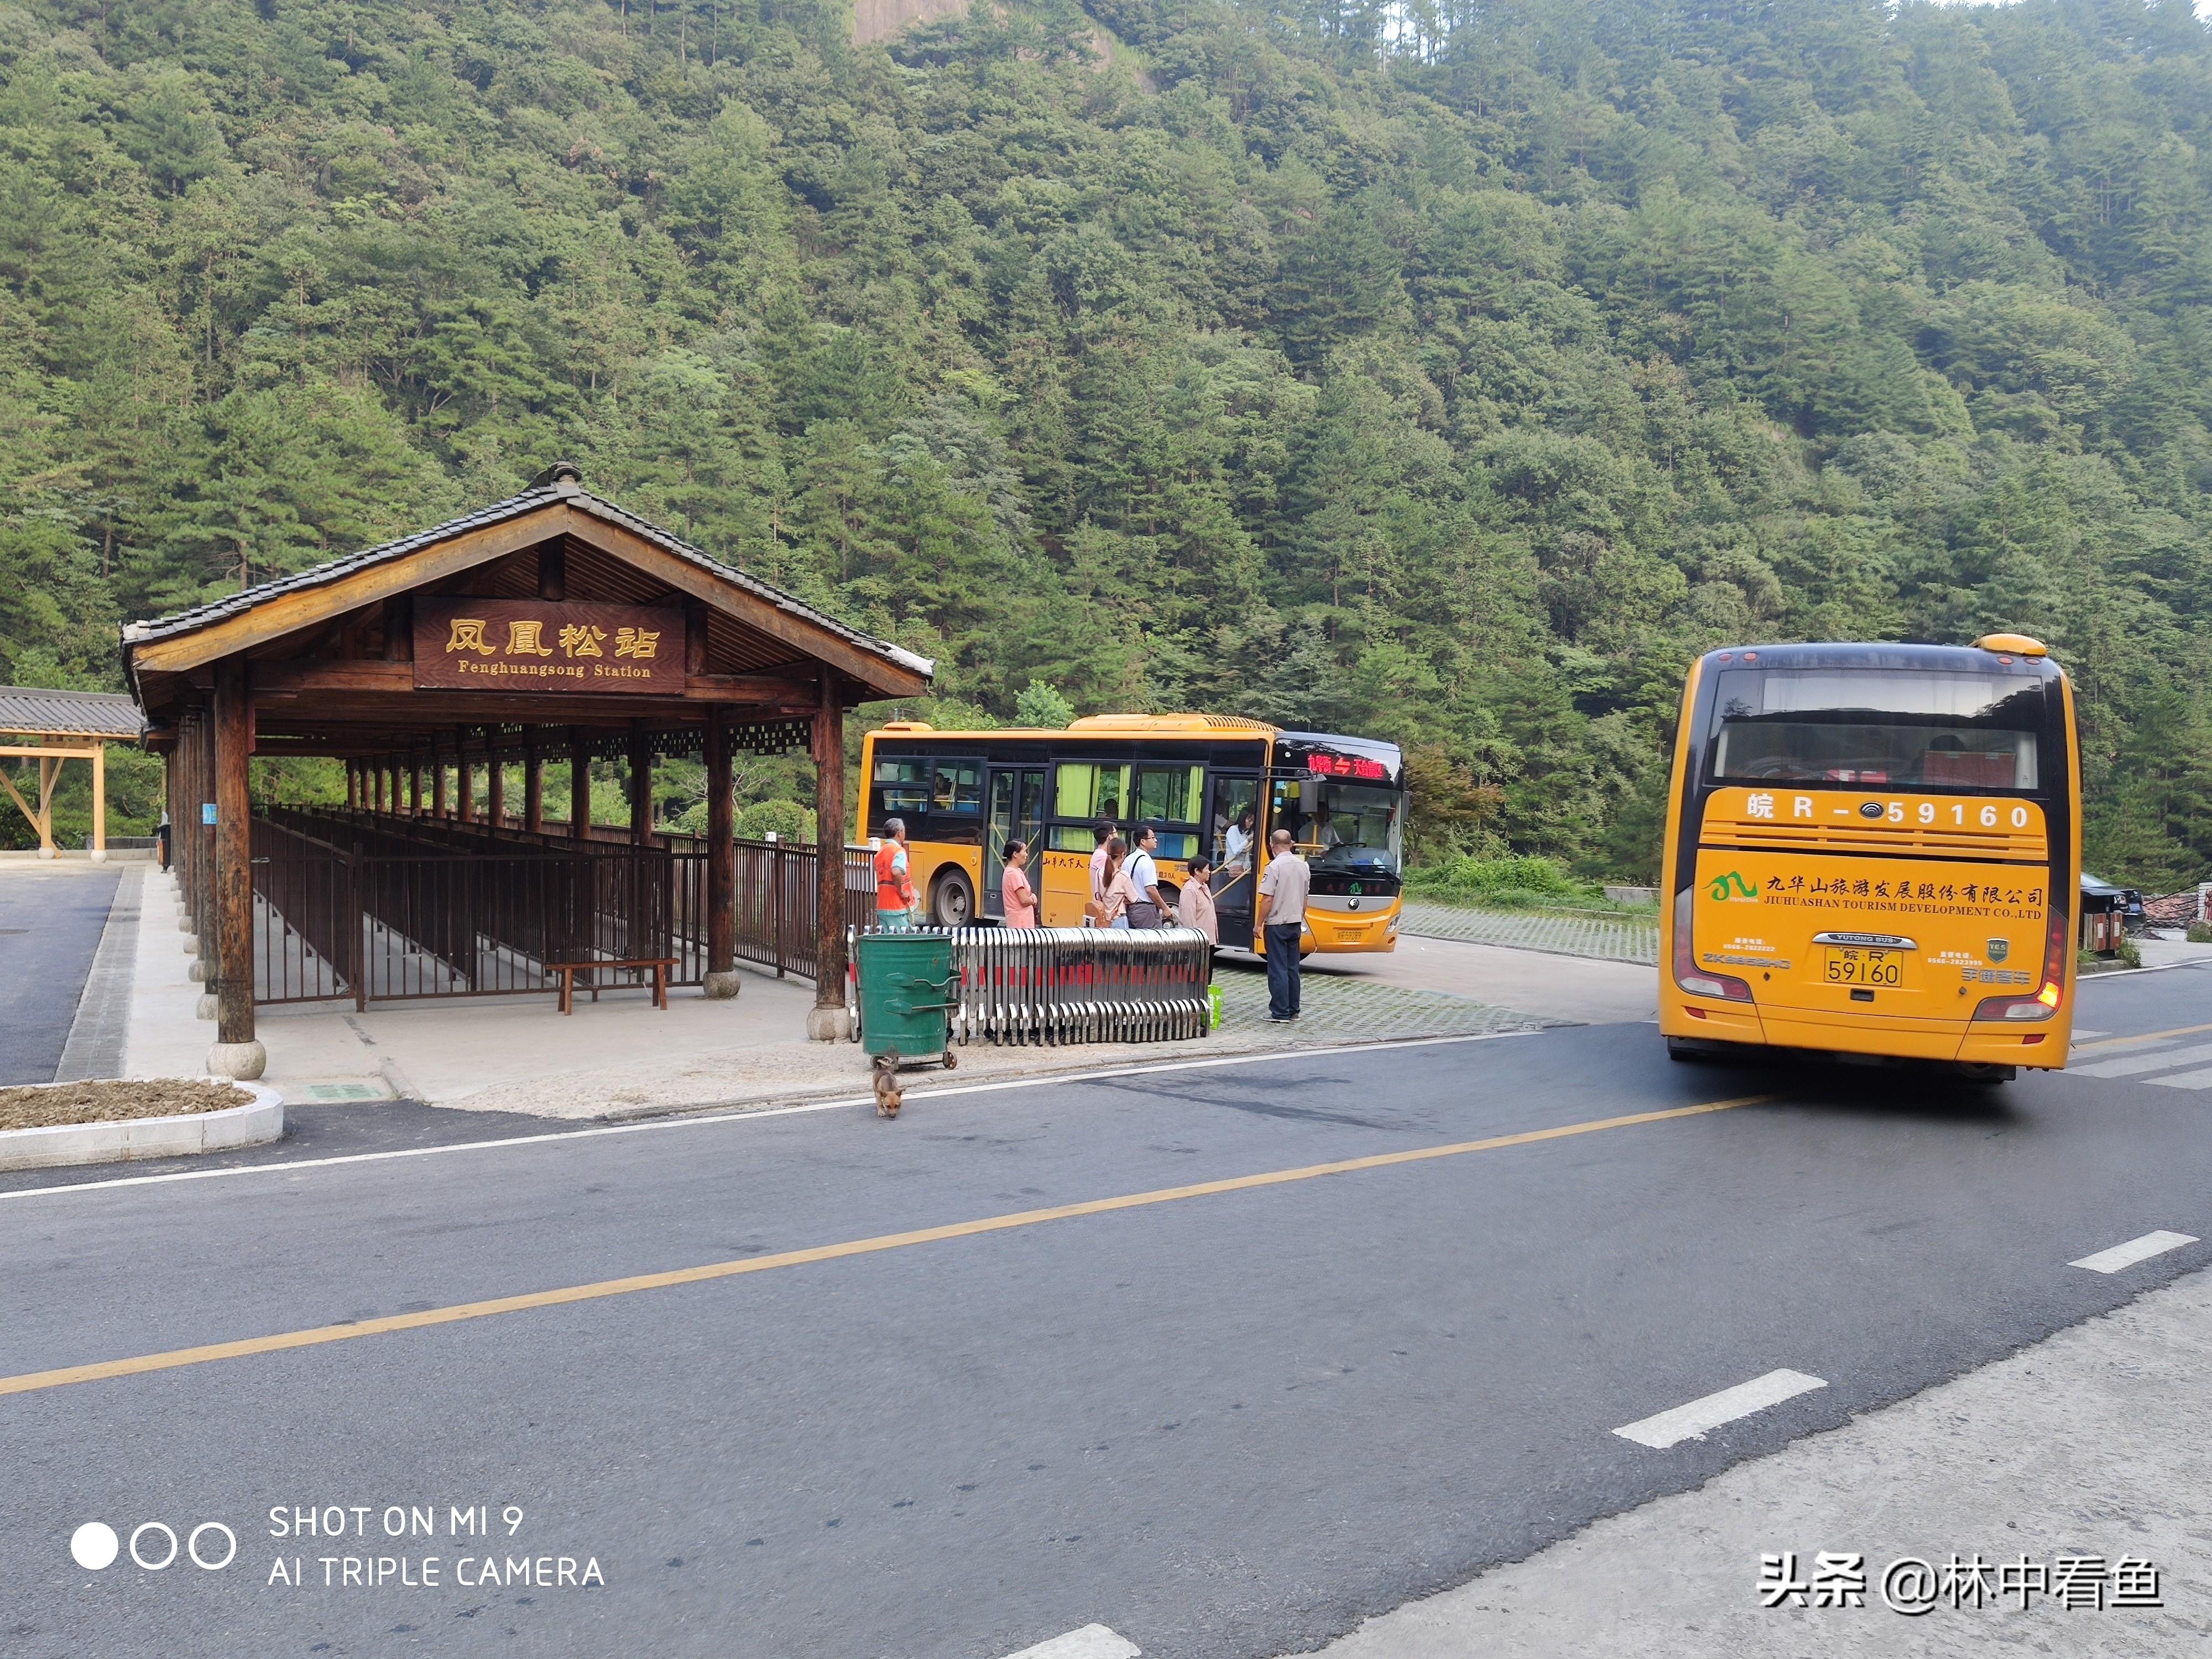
(1054, 985)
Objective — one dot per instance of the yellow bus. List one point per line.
(1202, 780)
(1874, 850)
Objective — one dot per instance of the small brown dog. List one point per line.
(888, 1092)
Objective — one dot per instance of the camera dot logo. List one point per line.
(94, 1545)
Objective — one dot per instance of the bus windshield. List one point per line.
(1344, 826)
(1844, 725)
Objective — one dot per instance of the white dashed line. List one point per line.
(2186, 1080)
(1091, 1642)
(2135, 1250)
(2149, 1058)
(1695, 1420)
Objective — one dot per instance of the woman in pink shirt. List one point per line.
(1014, 889)
(1194, 904)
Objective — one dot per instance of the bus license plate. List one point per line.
(1859, 965)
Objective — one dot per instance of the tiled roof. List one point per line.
(531, 499)
(31, 709)
(2174, 910)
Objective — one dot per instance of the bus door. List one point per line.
(1016, 814)
(1233, 830)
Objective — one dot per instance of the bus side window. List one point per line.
(959, 787)
(901, 788)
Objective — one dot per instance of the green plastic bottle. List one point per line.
(1213, 999)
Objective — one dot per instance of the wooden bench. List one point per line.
(568, 970)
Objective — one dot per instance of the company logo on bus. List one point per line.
(1347, 766)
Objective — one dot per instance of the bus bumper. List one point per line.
(1337, 931)
(1930, 1040)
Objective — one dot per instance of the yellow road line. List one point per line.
(31, 1381)
(2147, 1037)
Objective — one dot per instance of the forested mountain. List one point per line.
(1454, 377)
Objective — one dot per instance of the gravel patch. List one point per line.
(114, 1101)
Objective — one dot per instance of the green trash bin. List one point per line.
(906, 995)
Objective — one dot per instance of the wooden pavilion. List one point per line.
(52, 727)
(554, 627)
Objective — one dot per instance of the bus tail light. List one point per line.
(1687, 975)
(2045, 1002)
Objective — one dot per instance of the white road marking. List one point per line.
(1091, 1642)
(2081, 1035)
(702, 1120)
(2186, 1080)
(2135, 1250)
(2144, 1061)
(1697, 1418)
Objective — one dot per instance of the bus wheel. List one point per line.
(1683, 1050)
(952, 903)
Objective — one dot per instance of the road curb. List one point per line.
(255, 1124)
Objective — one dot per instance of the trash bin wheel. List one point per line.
(952, 1060)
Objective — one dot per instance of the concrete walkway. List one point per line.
(1586, 989)
(1614, 938)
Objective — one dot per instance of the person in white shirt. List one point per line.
(1146, 908)
(1324, 832)
(1237, 846)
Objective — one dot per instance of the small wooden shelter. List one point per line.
(550, 626)
(54, 726)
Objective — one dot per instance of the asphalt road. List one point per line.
(1226, 1423)
(50, 925)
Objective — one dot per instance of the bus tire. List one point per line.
(952, 900)
(1971, 1071)
(1683, 1051)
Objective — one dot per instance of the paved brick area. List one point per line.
(1625, 940)
(1335, 1008)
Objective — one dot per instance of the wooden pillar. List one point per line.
(495, 779)
(827, 1023)
(580, 784)
(414, 783)
(640, 787)
(439, 805)
(234, 877)
(98, 803)
(465, 777)
(378, 775)
(533, 782)
(352, 785)
(721, 862)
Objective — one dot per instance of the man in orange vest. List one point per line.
(896, 899)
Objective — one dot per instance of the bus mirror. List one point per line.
(1309, 795)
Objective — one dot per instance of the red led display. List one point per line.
(1347, 766)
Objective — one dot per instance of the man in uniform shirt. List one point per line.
(1283, 888)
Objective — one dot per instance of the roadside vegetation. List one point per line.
(1454, 375)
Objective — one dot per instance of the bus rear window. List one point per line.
(1876, 727)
